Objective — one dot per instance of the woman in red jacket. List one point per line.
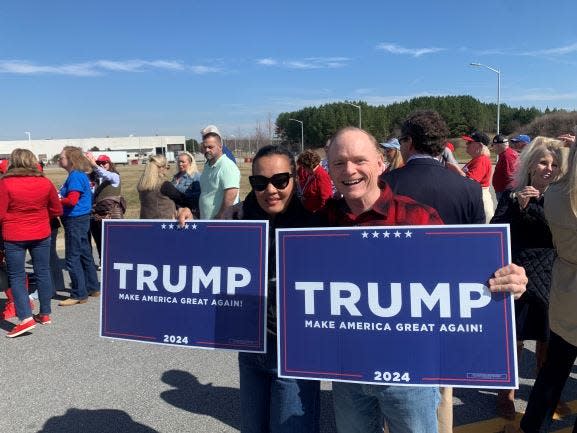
(315, 185)
(28, 201)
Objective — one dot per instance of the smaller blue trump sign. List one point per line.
(201, 285)
(395, 306)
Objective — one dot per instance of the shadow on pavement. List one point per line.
(219, 402)
(222, 403)
(94, 421)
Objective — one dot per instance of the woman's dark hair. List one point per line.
(275, 150)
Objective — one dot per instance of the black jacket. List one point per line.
(532, 248)
(457, 199)
(294, 216)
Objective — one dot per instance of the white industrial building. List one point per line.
(136, 147)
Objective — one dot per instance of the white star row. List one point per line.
(177, 227)
(386, 234)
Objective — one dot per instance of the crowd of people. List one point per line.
(412, 179)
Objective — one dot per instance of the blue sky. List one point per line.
(72, 69)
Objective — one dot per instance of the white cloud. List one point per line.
(200, 69)
(307, 63)
(393, 48)
(98, 67)
(267, 62)
(26, 68)
(559, 51)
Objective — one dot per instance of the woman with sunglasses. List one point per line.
(270, 403)
(107, 201)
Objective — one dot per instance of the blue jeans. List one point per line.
(363, 408)
(55, 268)
(79, 260)
(270, 404)
(16, 263)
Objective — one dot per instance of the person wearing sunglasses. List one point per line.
(107, 201)
(270, 403)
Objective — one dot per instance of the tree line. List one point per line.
(463, 115)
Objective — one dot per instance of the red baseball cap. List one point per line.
(450, 146)
(103, 158)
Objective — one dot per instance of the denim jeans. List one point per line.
(363, 408)
(55, 267)
(270, 404)
(549, 384)
(79, 260)
(16, 263)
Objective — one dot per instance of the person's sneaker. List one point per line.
(43, 319)
(9, 311)
(21, 328)
(72, 301)
(94, 294)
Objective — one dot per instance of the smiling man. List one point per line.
(355, 164)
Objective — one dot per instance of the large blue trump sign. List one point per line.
(396, 306)
(202, 285)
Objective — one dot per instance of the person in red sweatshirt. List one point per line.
(28, 201)
(315, 185)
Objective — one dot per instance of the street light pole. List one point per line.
(358, 108)
(302, 134)
(498, 72)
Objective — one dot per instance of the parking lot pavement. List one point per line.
(64, 378)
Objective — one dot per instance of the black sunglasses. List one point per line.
(279, 181)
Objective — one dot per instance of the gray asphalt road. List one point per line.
(64, 378)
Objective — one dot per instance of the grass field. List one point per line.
(129, 176)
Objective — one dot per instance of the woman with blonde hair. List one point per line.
(561, 214)
(541, 163)
(157, 194)
(76, 199)
(392, 154)
(28, 201)
(187, 180)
